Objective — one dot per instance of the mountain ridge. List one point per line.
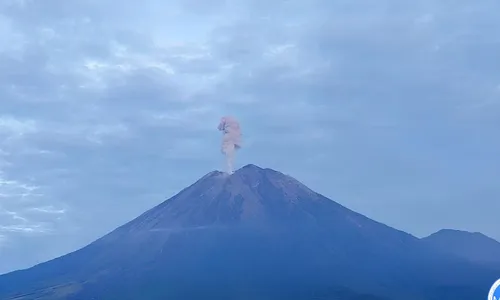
(254, 232)
(473, 246)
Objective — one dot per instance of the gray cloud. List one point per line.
(105, 107)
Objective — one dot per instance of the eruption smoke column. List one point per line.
(231, 140)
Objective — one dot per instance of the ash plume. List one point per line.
(231, 140)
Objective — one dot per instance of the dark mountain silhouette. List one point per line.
(473, 246)
(255, 234)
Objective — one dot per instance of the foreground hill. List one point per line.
(255, 234)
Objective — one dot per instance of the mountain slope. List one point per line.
(473, 246)
(255, 234)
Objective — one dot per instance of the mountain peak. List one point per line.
(473, 246)
(251, 167)
(250, 195)
(450, 233)
(251, 170)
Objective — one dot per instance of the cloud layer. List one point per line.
(108, 107)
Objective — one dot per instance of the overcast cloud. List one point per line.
(108, 107)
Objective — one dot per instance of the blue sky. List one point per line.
(107, 108)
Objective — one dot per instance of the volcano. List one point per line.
(254, 234)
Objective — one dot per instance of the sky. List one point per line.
(108, 107)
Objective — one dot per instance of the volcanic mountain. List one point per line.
(254, 234)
